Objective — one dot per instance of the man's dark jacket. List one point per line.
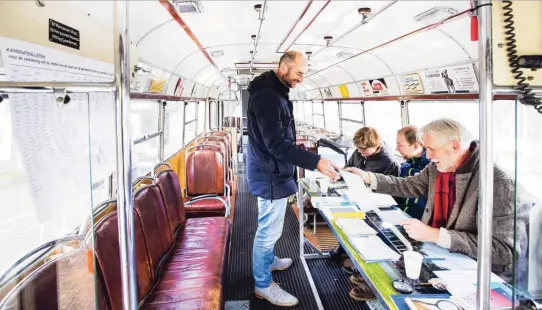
(272, 151)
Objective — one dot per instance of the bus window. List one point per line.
(331, 111)
(466, 112)
(385, 116)
(190, 122)
(145, 156)
(318, 114)
(201, 117)
(144, 117)
(308, 112)
(173, 128)
(213, 114)
(349, 128)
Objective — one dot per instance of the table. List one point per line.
(379, 276)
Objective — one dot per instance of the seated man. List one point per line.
(410, 145)
(451, 185)
(372, 154)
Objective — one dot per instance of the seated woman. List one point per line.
(372, 154)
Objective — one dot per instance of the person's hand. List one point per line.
(337, 166)
(363, 174)
(417, 230)
(326, 168)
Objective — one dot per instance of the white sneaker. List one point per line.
(277, 296)
(281, 263)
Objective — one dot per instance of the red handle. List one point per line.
(474, 28)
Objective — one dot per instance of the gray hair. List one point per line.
(447, 130)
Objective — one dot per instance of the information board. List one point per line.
(456, 79)
(343, 89)
(412, 84)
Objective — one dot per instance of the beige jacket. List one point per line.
(462, 225)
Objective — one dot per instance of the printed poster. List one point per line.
(367, 89)
(179, 88)
(27, 62)
(412, 84)
(327, 93)
(379, 86)
(450, 80)
(157, 86)
(344, 91)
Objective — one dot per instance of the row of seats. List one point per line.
(180, 262)
(209, 166)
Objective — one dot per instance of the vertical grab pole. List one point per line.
(485, 211)
(229, 102)
(124, 157)
(162, 129)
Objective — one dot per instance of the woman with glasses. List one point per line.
(372, 153)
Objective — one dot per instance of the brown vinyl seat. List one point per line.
(180, 262)
(207, 192)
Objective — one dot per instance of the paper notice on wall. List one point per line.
(27, 62)
(343, 89)
(57, 152)
(51, 141)
(367, 89)
(457, 79)
(379, 86)
(412, 84)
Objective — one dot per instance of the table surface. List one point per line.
(378, 275)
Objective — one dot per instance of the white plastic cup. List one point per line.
(324, 185)
(413, 264)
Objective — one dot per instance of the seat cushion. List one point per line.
(192, 277)
(205, 207)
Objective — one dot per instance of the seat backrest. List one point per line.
(204, 173)
(149, 206)
(64, 282)
(224, 140)
(168, 182)
(108, 260)
(224, 134)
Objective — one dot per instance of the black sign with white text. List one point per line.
(64, 35)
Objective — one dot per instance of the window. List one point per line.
(144, 117)
(190, 132)
(352, 111)
(173, 128)
(465, 112)
(319, 121)
(318, 107)
(191, 108)
(308, 113)
(145, 157)
(213, 106)
(349, 128)
(201, 117)
(385, 116)
(331, 111)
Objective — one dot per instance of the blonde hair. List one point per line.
(367, 137)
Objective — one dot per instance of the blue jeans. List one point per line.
(270, 222)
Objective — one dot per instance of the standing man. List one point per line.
(410, 145)
(271, 160)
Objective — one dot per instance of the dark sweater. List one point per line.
(382, 162)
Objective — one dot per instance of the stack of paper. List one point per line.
(362, 195)
(373, 249)
(354, 226)
(319, 202)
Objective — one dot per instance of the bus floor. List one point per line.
(332, 282)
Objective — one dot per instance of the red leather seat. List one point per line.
(205, 184)
(180, 262)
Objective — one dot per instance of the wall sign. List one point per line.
(412, 84)
(457, 79)
(344, 91)
(379, 86)
(29, 62)
(64, 35)
(367, 89)
(327, 92)
(179, 88)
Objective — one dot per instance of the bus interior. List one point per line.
(123, 142)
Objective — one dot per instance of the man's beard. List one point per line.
(285, 80)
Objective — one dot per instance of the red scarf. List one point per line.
(444, 199)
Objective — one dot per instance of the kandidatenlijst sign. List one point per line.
(64, 35)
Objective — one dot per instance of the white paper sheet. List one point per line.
(373, 249)
(355, 226)
(392, 216)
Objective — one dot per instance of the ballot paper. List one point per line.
(373, 249)
(393, 217)
(354, 226)
(362, 195)
(320, 202)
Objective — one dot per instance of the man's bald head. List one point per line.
(292, 68)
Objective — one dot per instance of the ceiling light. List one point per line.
(344, 54)
(435, 15)
(188, 6)
(217, 53)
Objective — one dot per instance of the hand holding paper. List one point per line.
(417, 230)
(363, 174)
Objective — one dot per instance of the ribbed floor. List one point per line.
(240, 284)
(333, 285)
